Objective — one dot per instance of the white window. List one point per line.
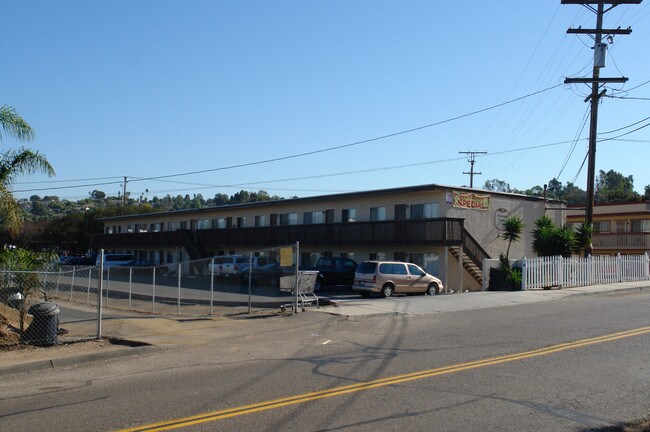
(377, 213)
(289, 219)
(377, 256)
(317, 217)
(203, 224)
(349, 215)
(430, 262)
(601, 227)
(260, 220)
(425, 211)
(641, 226)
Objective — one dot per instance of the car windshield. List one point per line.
(367, 267)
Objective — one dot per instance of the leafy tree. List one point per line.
(574, 195)
(535, 191)
(512, 227)
(646, 195)
(497, 185)
(97, 195)
(220, 199)
(612, 186)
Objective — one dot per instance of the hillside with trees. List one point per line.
(53, 223)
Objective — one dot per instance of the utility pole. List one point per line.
(471, 160)
(124, 193)
(600, 50)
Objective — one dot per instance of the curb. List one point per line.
(73, 360)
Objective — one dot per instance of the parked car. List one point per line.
(140, 265)
(332, 272)
(268, 273)
(114, 259)
(227, 266)
(393, 277)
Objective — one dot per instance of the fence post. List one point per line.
(130, 285)
(646, 266)
(250, 279)
(178, 302)
(295, 298)
(58, 280)
(153, 294)
(619, 270)
(108, 283)
(211, 286)
(524, 274)
(90, 274)
(100, 281)
(486, 269)
(72, 283)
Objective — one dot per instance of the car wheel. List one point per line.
(433, 289)
(387, 290)
(318, 285)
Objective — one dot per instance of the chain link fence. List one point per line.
(226, 284)
(49, 303)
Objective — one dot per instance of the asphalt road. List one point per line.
(464, 371)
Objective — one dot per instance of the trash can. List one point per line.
(43, 330)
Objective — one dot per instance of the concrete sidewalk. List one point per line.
(142, 334)
(425, 305)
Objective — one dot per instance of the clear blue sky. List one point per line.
(156, 88)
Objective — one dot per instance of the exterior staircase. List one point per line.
(194, 249)
(473, 256)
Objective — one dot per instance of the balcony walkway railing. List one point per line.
(621, 241)
(434, 232)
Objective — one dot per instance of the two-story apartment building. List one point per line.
(617, 227)
(446, 230)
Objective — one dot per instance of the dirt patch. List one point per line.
(10, 324)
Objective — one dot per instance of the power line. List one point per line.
(328, 149)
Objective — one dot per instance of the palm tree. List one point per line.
(513, 226)
(583, 238)
(14, 125)
(551, 240)
(14, 163)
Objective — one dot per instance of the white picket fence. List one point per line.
(557, 271)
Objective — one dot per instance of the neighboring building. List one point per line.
(428, 225)
(617, 227)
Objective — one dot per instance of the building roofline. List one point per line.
(389, 191)
(606, 204)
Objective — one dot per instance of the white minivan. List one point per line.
(114, 259)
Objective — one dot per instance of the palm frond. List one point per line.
(17, 162)
(12, 124)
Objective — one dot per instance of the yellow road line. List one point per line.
(338, 391)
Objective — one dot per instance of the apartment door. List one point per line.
(400, 211)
